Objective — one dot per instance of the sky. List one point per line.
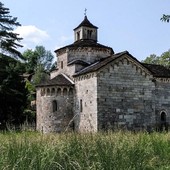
(132, 25)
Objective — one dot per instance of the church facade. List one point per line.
(95, 89)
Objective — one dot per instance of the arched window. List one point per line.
(53, 91)
(55, 106)
(89, 34)
(42, 92)
(78, 35)
(48, 92)
(64, 91)
(58, 91)
(163, 116)
(71, 91)
(163, 123)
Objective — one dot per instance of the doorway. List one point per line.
(163, 122)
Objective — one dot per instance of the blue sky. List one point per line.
(132, 25)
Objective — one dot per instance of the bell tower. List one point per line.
(85, 31)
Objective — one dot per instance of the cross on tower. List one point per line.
(85, 12)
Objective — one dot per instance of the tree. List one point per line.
(165, 18)
(12, 85)
(152, 59)
(39, 62)
(12, 91)
(9, 41)
(163, 59)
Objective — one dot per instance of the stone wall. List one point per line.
(125, 97)
(86, 54)
(85, 103)
(162, 99)
(54, 109)
(62, 66)
(89, 54)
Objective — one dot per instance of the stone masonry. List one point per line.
(94, 89)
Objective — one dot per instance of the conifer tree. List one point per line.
(9, 41)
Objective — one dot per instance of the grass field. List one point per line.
(101, 151)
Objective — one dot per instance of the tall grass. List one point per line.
(101, 151)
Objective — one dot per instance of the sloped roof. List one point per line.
(99, 64)
(60, 80)
(81, 62)
(157, 70)
(85, 43)
(86, 23)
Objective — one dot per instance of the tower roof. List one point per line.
(86, 23)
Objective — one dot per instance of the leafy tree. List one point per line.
(9, 41)
(152, 59)
(163, 59)
(38, 65)
(40, 57)
(39, 62)
(165, 18)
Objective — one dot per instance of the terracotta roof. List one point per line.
(86, 23)
(85, 43)
(99, 64)
(158, 70)
(59, 80)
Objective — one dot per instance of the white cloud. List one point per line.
(31, 35)
(63, 41)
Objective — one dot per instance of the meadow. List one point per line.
(69, 151)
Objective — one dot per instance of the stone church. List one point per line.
(95, 89)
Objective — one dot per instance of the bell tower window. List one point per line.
(89, 34)
(78, 35)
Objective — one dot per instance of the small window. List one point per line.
(58, 91)
(61, 64)
(42, 92)
(81, 105)
(64, 91)
(48, 92)
(89, 33)
(53, 91)
(71, 92)
(78, 35)
(55, 106)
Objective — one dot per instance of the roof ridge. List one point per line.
(67, 78)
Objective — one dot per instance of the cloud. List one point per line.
(64, 40)
(31, 35)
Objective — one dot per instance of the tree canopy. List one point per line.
(9, 41)
(163, 59)
(38, 62)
